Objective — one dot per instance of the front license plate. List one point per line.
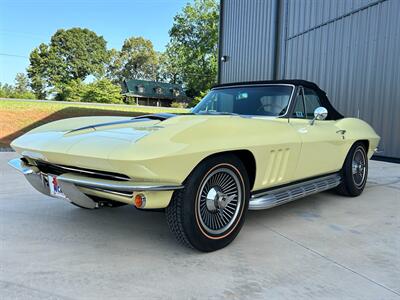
(55, 189)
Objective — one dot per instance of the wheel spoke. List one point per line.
(226, 217)
(224, 181)
(219, 221)
(214, 221)
(208, 218)
(216, 208)
(230, 189)
(358, 167)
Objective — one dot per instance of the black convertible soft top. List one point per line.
(333, 114)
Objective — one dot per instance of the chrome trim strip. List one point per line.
(288, 108)
(75, 196)
(115, 196)
(378, 150)
(122, 194)
(95, 183)
(19, 165)
(78, 170)
(32, 175)
(119, 186)
(278, 196)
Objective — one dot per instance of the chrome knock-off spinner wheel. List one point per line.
(219, 200)
(359, 167)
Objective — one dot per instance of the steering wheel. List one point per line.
(272, 107)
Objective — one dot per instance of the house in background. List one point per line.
(153, 93)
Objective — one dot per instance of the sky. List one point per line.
(24, 24)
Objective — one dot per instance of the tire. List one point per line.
(210, 211)
(354, 171)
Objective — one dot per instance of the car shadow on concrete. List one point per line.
(308, 207)
(126, 225)
(130, 226)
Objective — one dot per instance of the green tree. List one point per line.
(74, 90)
(103, 91)
(21, 83)
(71, 54)
(114, 66)
(20, 90)
(168, 67)
(38, 72)
(6, 90)
(80, 51)
(136, 60)
(194, 42)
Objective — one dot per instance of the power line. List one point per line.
(13, 55)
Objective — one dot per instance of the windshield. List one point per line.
(267, 100)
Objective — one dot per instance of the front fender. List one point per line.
(357, 130)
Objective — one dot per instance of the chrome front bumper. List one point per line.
(73, 185)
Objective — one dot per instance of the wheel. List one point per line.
(209, 212)
(354, 171)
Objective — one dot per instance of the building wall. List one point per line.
(247, 38)
(349, 48)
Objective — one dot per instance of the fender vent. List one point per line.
(277, 166)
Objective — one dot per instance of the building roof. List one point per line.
(153, 89)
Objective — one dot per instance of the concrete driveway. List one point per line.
(323, 246)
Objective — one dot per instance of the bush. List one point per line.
(198, 98)
(9, 91)
(102, 91)
(23, 95)
(179, 104)
(72, 91)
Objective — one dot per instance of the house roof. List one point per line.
(150, 89)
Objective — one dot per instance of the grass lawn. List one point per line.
(18, 117)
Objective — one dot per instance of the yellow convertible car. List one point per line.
(252, 145)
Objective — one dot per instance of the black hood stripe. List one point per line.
(160, 117)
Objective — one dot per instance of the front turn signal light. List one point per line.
(140, 201)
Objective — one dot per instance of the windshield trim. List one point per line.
(263, 84)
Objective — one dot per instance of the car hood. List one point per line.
(90, 141)
(97, 134)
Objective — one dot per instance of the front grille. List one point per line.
(55, 169)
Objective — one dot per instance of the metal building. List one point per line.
(350, 48)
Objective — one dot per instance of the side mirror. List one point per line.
(320, 113)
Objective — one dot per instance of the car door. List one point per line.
(321, 142)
